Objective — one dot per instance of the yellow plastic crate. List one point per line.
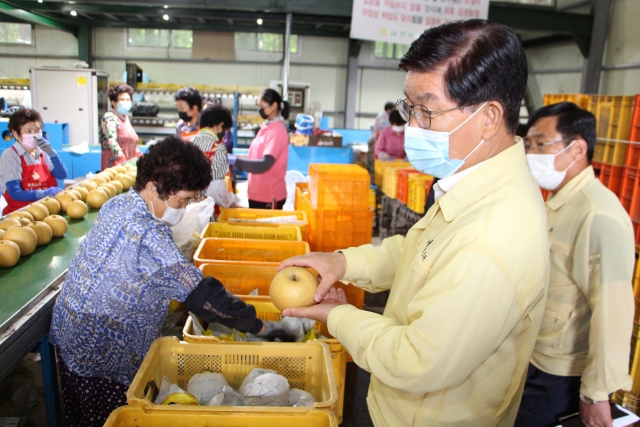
(419, 185)
(265, 310)
(230, 230)
(307, 366)
(301, 188)
(581, 100)
(379, 167)
(372, 199)
(336, 187)
(613, 115)
(252, 217)
(242, 252)
(133, 416)
(390, 179)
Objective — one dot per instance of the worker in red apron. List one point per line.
(31, 168)
(118, 139)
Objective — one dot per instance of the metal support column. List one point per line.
(592, 67)
(352, 85)
(287, 59)
(84, 45)
(236, 108)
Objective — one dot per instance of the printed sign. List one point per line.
(402, 21)
(81, 80)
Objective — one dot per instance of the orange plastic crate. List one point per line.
(545, 194)
(334, 187)
(632, 157)
(333, 230)
(243, 281)
(611, 177)
(242, 252)
(628, 183)
(636, 230)
(634, 211)
(403, 184)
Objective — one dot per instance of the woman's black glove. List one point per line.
(213, 303)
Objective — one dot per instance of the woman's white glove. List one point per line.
(220, 193)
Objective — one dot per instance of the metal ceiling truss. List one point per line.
(327, 18)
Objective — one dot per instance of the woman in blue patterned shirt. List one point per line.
(117, 290)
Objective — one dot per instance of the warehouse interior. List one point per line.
(582, 51)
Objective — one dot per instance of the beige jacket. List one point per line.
(589, 315)
(468, 287)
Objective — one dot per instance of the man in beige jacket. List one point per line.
(582, 353)
(468, 283)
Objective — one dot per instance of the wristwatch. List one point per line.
(590, 401)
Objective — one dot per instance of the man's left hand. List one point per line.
(596, 415)
(320, 311)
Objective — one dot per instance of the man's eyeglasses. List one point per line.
(533, 145)
(421, 113)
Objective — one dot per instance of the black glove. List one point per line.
(213, 303)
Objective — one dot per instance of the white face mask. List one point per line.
(171, 216)
(544, 171)
(397, 129)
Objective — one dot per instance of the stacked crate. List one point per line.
(402, 191)
(631, 175)
(419, 185)
(337, 204)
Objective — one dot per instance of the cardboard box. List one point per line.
(327, 140)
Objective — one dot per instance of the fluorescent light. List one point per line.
(166, 6)
(73, 13)
(259, 21)
(40, 1)
(165, 17)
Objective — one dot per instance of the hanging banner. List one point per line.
(402, 21)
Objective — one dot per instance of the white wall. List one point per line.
(47, 41)
(623, 47)
(327, 82)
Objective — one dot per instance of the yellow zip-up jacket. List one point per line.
(586, 330)
(468, 288)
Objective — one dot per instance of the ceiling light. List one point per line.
(73, 13)
(72, 2)
(40, 1)
(165, 17)
(259, 21)
(166, 6)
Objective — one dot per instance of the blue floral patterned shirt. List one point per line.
(117, 290)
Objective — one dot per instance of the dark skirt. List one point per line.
(88, 401)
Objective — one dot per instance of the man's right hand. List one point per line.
(330, 267)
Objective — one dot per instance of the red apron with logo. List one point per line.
(34, 177)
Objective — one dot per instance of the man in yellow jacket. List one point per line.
(468, 283)
(582, 353)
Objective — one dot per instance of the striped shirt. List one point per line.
(215, 150)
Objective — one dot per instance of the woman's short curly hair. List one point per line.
(172, 165)
(117, 89)
(214, 115)
(22, 117)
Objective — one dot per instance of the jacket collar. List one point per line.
(492, 174)
(571, 188)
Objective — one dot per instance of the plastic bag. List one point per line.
(297, 327)
(167, 388)
(255, 373)
(195, 218)
(267, 390)
(206, 386)
(226, 397)
(298, 398)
